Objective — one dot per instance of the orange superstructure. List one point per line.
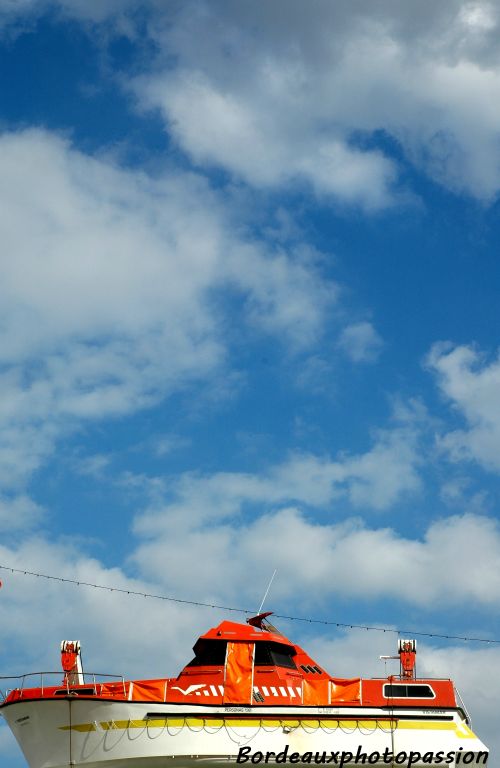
(254, 665)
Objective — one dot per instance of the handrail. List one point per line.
(59, 684)
(463, 707)
(410, 681)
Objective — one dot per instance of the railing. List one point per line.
(91, 680)
(412, 680)
(462, 706)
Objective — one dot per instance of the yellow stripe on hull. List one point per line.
(461, 730)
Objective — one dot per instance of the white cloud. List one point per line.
(318, 560)
(223, 520)
(93, 465)
(24, 446)
(472, 385)
(361, 342)
(264, 143)
(18, 513)
(478, 16)
(277, 95)
(376, 480)
(108, 298)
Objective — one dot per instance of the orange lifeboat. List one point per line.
(248, 695)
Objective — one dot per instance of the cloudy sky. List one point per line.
(249, 292)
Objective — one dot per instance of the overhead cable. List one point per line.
(200, 604)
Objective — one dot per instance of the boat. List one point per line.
(250, 696)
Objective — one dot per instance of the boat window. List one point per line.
(274, 655)
(209, 653)
(397, 691)
(75, 692)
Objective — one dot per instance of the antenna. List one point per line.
(267, 590)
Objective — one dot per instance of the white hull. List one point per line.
(106, 734)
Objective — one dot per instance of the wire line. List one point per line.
(198, 603)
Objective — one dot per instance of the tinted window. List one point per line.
(209, 653)
(274, 655)
(408, 692)
(75, 692)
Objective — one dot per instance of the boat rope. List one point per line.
(174, 733)
(200, 604)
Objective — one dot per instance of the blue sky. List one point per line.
(249, 320)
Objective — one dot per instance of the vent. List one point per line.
(258, 697)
